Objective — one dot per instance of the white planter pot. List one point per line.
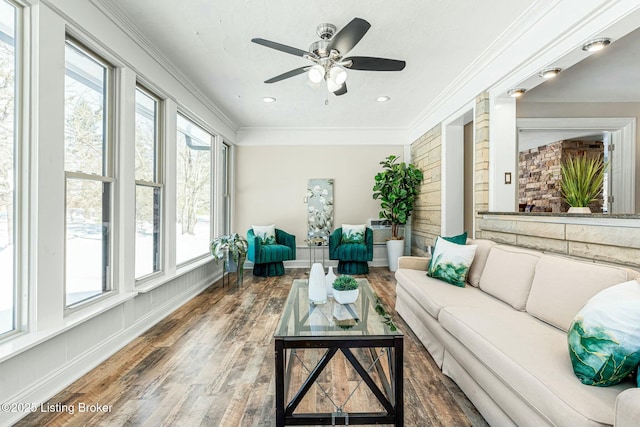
(579, 210)
(346, 297)
(395, 249)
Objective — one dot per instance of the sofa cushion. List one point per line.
(433, 294)
(351, 252)
(451, 262)
(604, 339)
(508, 274)
(477, 266)
(561, 286)
(531, 358)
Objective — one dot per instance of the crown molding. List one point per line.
(121, 20)
(321, 136)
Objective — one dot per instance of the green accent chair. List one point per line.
(352, 257)
(268, 259)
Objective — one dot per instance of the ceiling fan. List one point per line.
(327, 54)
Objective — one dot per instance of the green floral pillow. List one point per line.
(266, 233)
(460, 239)
(451, 262)
(353, 233)
(604, 338)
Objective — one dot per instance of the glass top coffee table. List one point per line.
(337, 364)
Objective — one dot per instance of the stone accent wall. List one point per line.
(481, 178)
(539, 176)
(426, 217)
(617, 242)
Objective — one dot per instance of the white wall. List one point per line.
(272, 183)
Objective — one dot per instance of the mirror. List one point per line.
(594, 104)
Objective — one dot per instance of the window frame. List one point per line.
(20, 155)
(157, 183)
(106, 178)
(212, 144)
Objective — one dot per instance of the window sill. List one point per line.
(27, 340)
(154, 283)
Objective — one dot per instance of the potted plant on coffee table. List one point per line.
(232, 249)
(582, 179)
(345, 289)
(397, 188)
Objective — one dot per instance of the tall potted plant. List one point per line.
(582, 179)
(396, 187)
(233, 250)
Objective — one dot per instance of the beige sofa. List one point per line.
(503, 337)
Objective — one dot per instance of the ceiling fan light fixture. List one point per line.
(338, 74)
(269, 99)
(316, 73)
(383, 99)
(332, 85)
(596, 44)
(516, 93)
(549, 73)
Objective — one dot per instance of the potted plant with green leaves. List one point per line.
(345, 289)
(232, 249)
(582, 179)
(396, 187)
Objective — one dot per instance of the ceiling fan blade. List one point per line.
(342, 90)
(283, 48)
(368, 63)
(349, 36)
(286, 75)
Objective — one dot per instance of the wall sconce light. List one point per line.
(507, 177)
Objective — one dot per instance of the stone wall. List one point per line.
(426, 217)
(539, 174)
(481, 178)
(599, 239)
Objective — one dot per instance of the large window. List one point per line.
(8, 162)
(88, 174)
(148, 185)
(193, 181)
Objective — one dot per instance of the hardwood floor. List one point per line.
(211, 363)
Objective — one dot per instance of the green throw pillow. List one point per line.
(353, 233)
(604, 338)
(451, 262)
(266, 233)
(460, 239)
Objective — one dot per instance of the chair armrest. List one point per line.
(414, 262)
(254, 246)
(284, 238)
(627, 409)
(334, 242)
(368, 240)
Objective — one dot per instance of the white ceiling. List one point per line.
(210, 42)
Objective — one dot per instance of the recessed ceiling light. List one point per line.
(596, 44)
(383, 99)
(515, 93)
(269, 99)
(549, 73)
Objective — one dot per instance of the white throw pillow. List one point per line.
(266, 233)
(353, 233)
(604, 338)
(451, 262)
